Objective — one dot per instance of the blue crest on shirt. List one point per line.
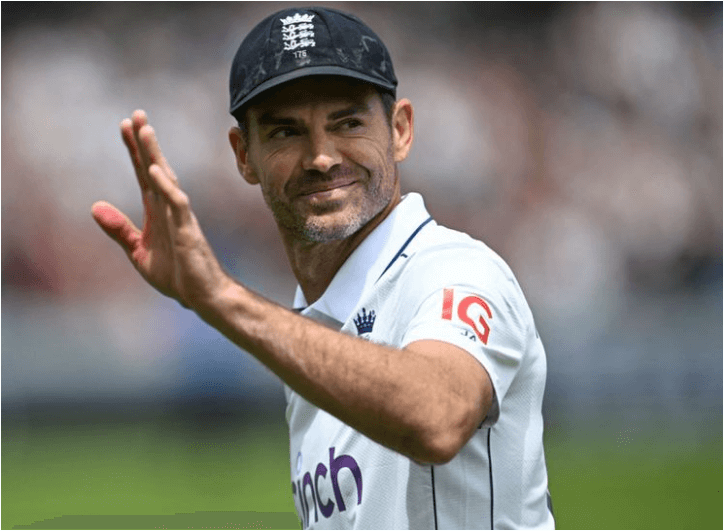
(364, 321)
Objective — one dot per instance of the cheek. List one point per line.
(371, 154)
(275, 171)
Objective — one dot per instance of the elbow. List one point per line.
(440, 443)
(441, 452)
(442, 427)
(443, 433)
(437, 450)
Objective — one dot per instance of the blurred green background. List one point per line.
(581, 141)
(173, 473)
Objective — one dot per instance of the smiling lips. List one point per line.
(324, 186)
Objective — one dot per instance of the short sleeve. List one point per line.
(474, 305)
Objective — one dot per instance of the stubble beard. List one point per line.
(317, 228)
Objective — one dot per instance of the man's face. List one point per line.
(322, 151)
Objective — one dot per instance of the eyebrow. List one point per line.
(360, 108)
(269, 118)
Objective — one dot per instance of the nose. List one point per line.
(322, 154)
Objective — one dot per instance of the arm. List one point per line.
(424, 401)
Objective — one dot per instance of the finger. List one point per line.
(139, 120)
(129, 139)
(168, 188)
(152, 150)
(116, 225)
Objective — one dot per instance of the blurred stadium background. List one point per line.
(581, 141)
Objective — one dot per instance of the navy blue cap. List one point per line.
(300, 42)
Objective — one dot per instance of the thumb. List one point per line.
(116, 225)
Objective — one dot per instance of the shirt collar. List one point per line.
(369, 260)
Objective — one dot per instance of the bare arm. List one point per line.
(424, 401)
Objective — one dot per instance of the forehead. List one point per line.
(315, 91)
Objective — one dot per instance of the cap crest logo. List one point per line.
(298, 31)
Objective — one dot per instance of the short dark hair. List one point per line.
(242, 118)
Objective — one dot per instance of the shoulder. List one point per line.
(445, 255)
(448, 268)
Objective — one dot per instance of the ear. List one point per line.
(238, 145)
(402, 129)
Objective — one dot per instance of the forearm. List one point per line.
(387, 394)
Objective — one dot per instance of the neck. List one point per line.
(315, 264)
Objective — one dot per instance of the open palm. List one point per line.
(170, 252)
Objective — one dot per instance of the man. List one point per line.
(414, 374)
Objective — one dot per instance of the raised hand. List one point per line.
(170, 252)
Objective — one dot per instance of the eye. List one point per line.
(282, 132)
(350, 125)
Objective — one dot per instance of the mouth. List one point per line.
(322, 190)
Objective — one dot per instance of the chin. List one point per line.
(332, 220)
(317, 232)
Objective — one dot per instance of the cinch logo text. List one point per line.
(306, 490)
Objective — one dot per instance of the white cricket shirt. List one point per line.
(413, 279)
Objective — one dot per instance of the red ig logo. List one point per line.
(447, 311)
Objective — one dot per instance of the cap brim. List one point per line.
(311, 71)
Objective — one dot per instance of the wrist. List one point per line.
(216, 298)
